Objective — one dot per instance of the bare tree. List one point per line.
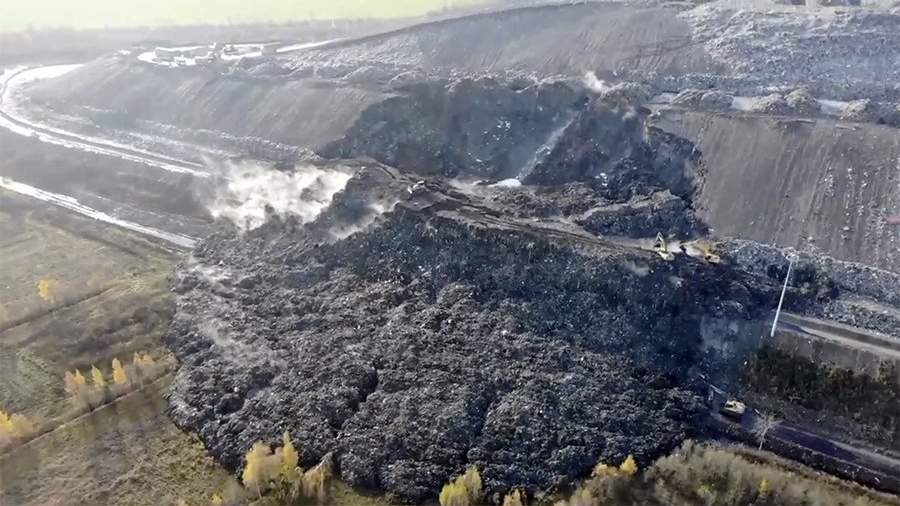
(762, 425)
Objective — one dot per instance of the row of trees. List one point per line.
(716, 476)
(695, 475)
(124, 379)
(281, 473)
(17, 428)
(708, 475)
(467, 489)
(826, 387)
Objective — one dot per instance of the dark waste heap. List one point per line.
(421, 324)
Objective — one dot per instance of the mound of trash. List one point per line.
(413, 324)
(414, 328)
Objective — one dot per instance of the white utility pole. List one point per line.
(781, 301)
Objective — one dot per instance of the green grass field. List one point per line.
(23, 14)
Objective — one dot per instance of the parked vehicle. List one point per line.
(733, 409)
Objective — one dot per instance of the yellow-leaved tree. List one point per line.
(315, 479)
(256, 467)
(118, 373)
(581, 497)
(463, 491)
(764, 488)
(6, 428)
(76, 386)
(454, 494)
(514, 498)
(290, 458)
(472, 481)
(98, 379)
(601, 470)
(47, 289)
(69, 381)
(22, 427)
(15, 427)
(288, 483)
(79, 379)
(629, 466)
(143, 367)
(75, 383)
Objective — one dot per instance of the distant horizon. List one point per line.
(36, 15)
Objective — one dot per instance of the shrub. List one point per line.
(47, 289)
(629, 466)
(454, 494)
(315, 479)
(119, 375)
(514, 498)
(465, 490)
(290, 459)
(280, 472)
(15, 428)
(718, 477)
(260, 467)
(826, 387)
(22, 427)
(288, 484)
(76, 386)
(97, 378)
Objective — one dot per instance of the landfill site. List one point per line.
(525, 239)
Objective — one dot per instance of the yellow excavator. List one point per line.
(661, 247)
(702, 249)
(708, 251)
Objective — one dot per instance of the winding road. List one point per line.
(12, 120)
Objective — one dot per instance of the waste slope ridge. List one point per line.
(442, 335)
(549, 133)
(295, 112)
(802, 184)
(287, 100)
(843, 53)
(472, 127)
(559, 39)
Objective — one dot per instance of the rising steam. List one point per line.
(252, 191)
(594, 84)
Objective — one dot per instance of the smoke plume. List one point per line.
(252, 191)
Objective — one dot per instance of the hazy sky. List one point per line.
(20, 14)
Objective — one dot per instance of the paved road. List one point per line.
(845, 335)
(878, 468)
(12, 120)
(881, 467)
(866, 465)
